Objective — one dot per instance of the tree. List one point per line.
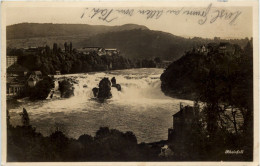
(8, 118)
(130, 136)
(85, 139)
(59, 143)
(59, 50)
(102, 132)
(66, 47)
(47, 49)
(157, 60)
(55, 48)
(70, 47)
(76, 67)
(25, 118)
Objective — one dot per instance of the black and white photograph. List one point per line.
(120, 82)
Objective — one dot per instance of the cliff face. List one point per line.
(226, 72)
(181, 77)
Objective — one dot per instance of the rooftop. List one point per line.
(111, 49)
(16, 68)
(185, 110)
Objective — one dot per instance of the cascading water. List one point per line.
(140, 106)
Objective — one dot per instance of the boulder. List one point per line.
(51, 94)
(117, 86)
(113, 81)
(114, 84)
(104, 89)
(66, 89)
(95, 92)
(42, 89)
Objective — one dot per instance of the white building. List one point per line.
(111, 51)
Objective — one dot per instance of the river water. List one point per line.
(140, 107)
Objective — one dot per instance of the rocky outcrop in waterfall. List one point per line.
(104, 91)
(113, 81)
(66, 89)
(114, 84)
(95, 92)
(117, 86)
(41, 89)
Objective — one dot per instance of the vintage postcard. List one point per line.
(140, 83)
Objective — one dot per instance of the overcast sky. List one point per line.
(180, 24)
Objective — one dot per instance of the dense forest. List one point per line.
(220, 80)
(72, 61)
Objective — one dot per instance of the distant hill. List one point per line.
(143, 43)
(134, 41)
(34, 30)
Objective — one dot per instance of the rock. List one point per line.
(42, 89)
(114, 84)
(66, 89)
(113, 81)
(117, 86)
(104, 89)
(95, 91)
(85, 86)
(52, 94)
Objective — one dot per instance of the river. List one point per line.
(140, 107)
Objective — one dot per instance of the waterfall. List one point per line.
(134, 86)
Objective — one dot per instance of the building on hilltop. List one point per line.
(87, 50)
(203, 49)
(99, 50)
(57, 72)
(16, 70)
(32, 81)
(212, 47)
(34, 78)
(222, 48)
(36, 74)
(14, 86)
(15, 80)
(34, 50)
(225, 47)
(112, 51)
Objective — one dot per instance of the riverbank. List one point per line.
(106, 145)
